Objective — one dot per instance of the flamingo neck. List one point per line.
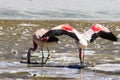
(88, 34)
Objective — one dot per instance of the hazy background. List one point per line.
(60, 9)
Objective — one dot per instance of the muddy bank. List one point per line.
(16, 38)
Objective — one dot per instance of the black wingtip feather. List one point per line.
(52, 39)
(109, 36)
(59, 32)
(94, 36)
(106, 35)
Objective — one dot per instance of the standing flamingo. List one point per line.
(42, 42)
(82, 40)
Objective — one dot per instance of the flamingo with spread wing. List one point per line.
(81, 40)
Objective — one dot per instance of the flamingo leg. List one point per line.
(48, 57)
(81, 56)
(28, 56)
(29, 52)
(42, 55)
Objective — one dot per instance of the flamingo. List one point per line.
(81, 39)
(38, 41)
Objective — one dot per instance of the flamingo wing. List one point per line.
(104, 35)
(52, 39)
(59, 32)
(109, 36)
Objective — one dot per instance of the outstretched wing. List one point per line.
(105, 35)
(109, 36)
(59, 32)
(101, 31)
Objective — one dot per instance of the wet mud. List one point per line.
(102, 58)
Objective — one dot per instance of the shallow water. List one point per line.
(16, 38)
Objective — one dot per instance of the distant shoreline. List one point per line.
(51, 23)
(100, 21)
